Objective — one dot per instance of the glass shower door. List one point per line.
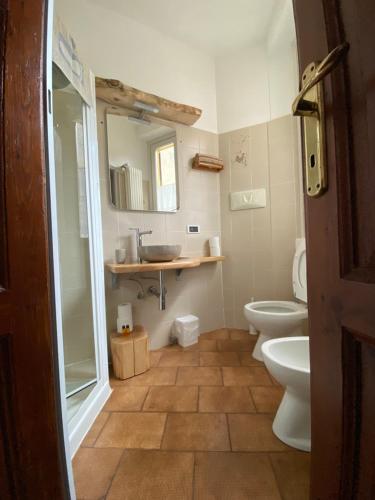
(74, 244)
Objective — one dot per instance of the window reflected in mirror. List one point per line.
(142, 161)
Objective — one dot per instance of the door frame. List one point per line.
(32, 454)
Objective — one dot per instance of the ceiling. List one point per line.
(213, 26)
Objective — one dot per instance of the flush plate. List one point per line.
(244, 200)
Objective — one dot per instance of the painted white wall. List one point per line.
(235, 90)
(282, 60)
(258, 84)
(242, 89)
(115, 46)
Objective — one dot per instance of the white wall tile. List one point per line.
(260, 243)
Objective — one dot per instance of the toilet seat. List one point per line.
(275, 318)
(299, 271)
(278, 307)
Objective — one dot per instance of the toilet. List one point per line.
(288, 361)
(274, 319)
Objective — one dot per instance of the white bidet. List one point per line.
(288, 361)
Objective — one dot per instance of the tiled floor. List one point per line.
(195, 426)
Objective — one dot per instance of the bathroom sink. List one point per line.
(159, 253)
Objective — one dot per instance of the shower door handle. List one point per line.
(310, 105)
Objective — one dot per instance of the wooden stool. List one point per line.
(130, 354)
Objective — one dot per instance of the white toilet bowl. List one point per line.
(288, 361)
(274, 319)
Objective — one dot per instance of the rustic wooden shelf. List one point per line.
(206, 260)
(178, 265)
(181, 263)
(118, 94)
(207, 162)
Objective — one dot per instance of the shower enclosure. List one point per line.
(74, 245)
(76, 240)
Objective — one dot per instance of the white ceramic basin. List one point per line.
(159, 253)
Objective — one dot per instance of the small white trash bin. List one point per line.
(186, 329)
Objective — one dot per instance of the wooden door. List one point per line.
(31, 461)
(341, 253)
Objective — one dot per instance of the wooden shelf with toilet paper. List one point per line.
(130, 354)
(207, 162)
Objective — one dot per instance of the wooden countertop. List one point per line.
(180, 263)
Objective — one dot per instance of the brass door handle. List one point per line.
(310, 105)
(303, 107)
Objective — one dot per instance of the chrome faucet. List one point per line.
(138, 235)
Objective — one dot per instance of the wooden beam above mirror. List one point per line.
(117, 93)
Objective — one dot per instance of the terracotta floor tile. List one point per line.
(183, 410)
(207, 345)
(220, 334)
(179, 359)
(190, 348)
(153, 475)
(293, 474)
(234, 476)
(155, 357)
(93, 471)
(172, 347)
(219, 359)
(126, 399)
(200, 375)
(132, 430)
(96, 427)
(267, 399)
(253, 432)
(235, 345)
(225, 400)
(196, 431)
(163, 375)
(236, 334)
(178, 348)
(247, 359)
(246, 375)
(172, 398)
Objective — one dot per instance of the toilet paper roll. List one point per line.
(124, 316)
(124, 310)
(215, 251)
(214, 241)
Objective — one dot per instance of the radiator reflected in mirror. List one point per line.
(142, 162)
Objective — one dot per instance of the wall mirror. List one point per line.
(142, 163)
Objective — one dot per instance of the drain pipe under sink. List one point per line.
(161, 293)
